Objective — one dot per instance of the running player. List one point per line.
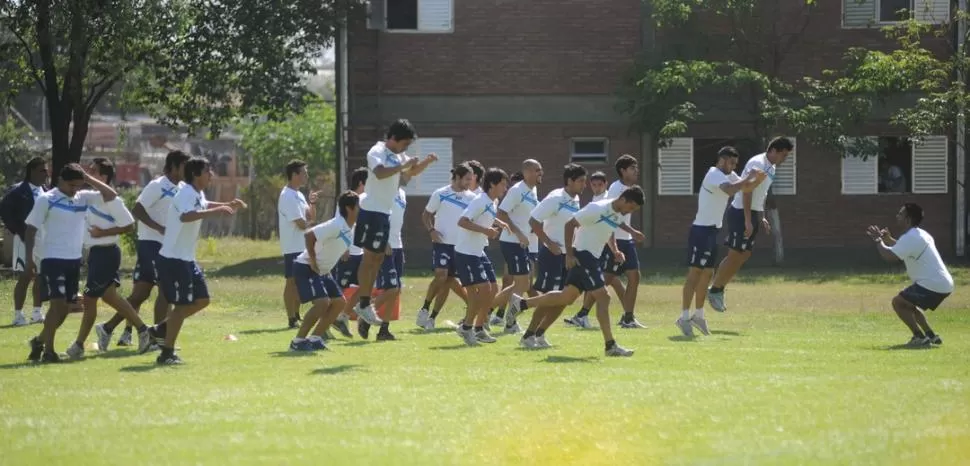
(745, 216)
(598, 185)
(346, 270)
(499, 317)
(14, 208)
(295, 216)
(932, 282)
(596, 224)
(392, 270)
(719, 184)
(518, 242)
(151, 211)
(60, 213)
(628, 170)
(325, 244)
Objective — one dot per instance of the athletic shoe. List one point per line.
(542, 343)
(936, 340)
(299, 346)
(385, 336)
(125, 339)
(37, 317)
(468, 336)
(513, 330)
(528, 343)
(512, 310)
(36, 349)
(173, 360)
(483, 337)
(19, 320)
(496, 320)
(571, 321)
(104, 337)
(341, 325)
(294, 322)
(423, 317)
(75, 351)
(716, 300)
(429, 324)
(152, 338)
(917, 342)
(369, 315)
(619, 351)
(685, 328)
(582, 321)
(51, 356)
(363, 328)
(632, 323)
(316, 343)
(700, 323)
(145, 340)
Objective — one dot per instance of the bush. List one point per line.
(129, 241)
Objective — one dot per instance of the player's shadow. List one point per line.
(725, 332)
(117, 353)
(250, 268)
(905, 346)
(682, 338)
(449, 347)
(356, 342)
(293, 354)
(433, 331)
(260, 331)
(18, 365)
(337, 369)
(558, 359)
(141, 368)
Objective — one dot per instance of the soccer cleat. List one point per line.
(36, 349)
(685, 327)
(571, 321)
(528, 343)
(716, 300)
(294, 322)
(125, 339)
(496, 320)
(172, 360)
(51, 356)
(423, 317)
(542, 343)
(369, 315)
(75, 351)
(917, 342)
(513, 330)
(316, 343)
(619, 351)
(19, 320)
(935, 340)
(468, 336)
(37, 317)
(513, 310)
(363, 328)
(341, 325)
(484, 337)
(701, 324)
(104, 337)
(301, 346)
(429, 324)
(385, 336)
(582, 322)
(632, 323)
(151, 342)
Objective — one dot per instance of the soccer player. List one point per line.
(628, 169)
(598, 185)
(151, 211)
(180, 277)
(518, 241)
(596, 224)
(392, 270)
(295, 215)
(347, 268)
(744, 217)
(60, 212)
(507, 280)
(440, 218)
(106, 221)
(719, 184)
(325, 244)
(14, 209)
(548, 220)
(387, 162)
(932, 282)
(477, 224)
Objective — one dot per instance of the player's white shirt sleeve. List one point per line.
(714, 179)
(588, 215)
(547, 208)
(513, 197)
(150, 194)
(760, 193)
(120, 212)
(186, 203)
(434, 202)
(38, 215)
(375, 157)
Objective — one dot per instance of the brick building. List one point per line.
(500, 81)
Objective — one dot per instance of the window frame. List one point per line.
(588, 159)
(418, 29)
(877, 13)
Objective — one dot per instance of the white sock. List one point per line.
(315, 338)
(685, 314)
(699, 313)
(38, 310)
(19, 311)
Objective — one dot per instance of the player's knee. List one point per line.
(202, 303)
(441, 274)
(899, 302)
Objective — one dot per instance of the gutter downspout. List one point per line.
(961, 199)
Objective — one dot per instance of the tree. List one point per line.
(193, 63)
(15, 151)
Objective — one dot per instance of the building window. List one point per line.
(424, 16)
(437, 174)
(897, 166)
(589, 150)
(869, 13)
(894, 11)
(402, 14)
(685, 161)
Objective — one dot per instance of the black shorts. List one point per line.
(443, 257)
(182, 282)
(288, 264)
(922, 298)
(735, 221)
(702, 247)
(517, 259)
(550, 271)
(631, 261)
(345, 272)
(146, 263)
(61, 279)
(372, 231)
(392, 271)
(586, 275)
(104, 261)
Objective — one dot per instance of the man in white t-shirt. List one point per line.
(326, 243)
(60, 212)
(628, 170)
(745, 216)
(14, 209)
(932, 282)
(295, 214)
(392, 271)
(719, 184)
(348, 267)
(519, 243)
(151, 212)
(179, 276)
(584, 238)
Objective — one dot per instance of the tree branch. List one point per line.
(96, 96)
(30, 57)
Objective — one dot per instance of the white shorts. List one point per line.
(20, 255)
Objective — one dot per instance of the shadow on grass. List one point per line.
(358, 342)
(260, 331)
(449, 347)
(682, 338)
(118, 353)
(569, 359)
(142, 368)
(434, 331)
(905, 346)
(725, 332)
(18, 365)
(338, 369)
(292, 354)
(258, 267)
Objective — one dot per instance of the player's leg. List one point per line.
(438, 282)
(183, 276)
(337, 303)
(518, 268)
(581, 319)
(913, 300)
(37, 316)
(370, 234)
(20, 297)
(507, 280)
(739, 253)
(389, 282)
(612, 349)
(907, 313)
(631, 269)
(61, 278)
(291, 299)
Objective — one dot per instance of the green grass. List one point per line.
(802, 370)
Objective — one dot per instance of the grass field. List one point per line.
(804, 369)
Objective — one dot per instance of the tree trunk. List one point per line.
(60, 140)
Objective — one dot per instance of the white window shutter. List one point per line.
(929, 166)
(860, 176)
(676, 173)
(437, 174)
(932, 11)
(786, 174)
(858, 13)
(436, 15)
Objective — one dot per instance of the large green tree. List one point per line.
(199, 64)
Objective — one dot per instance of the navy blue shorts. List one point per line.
(443, 257)
(533, 256)
(372, 231)
(631, 262)
(550, 271)
(587, 274)
(346, 272)
(392, 270)
(311, 286)
(735, 221)
(923, 298)
(61, 278)
(182, 282)
(516, 258)
(103, 265)
(146, 264)
(702, 247)
(288, 264)
(473, 270)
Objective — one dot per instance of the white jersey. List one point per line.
(380, 193)
(712, 200)
(760, 193)
(292, 206)
(356, 250)
(63, 221)
(554, 212)
(334, 237)
(106, 215)
(397, 219)
(156, 198)
(480, 211)
(447, 206)
(181, 237)
(599, 197)
(597, 221)
(614, 192)
(924, 265)
(518, 203)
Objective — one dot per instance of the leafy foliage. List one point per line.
(308, 135)
(129, 241)
(14, 153)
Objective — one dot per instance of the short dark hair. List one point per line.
(293, 168)
(516, 177)
(194, 167)
(598, 175)
(358, 177)
(914, 213)
(728, 151)
(72, 172)
(400, 130)
(347, 201)
(572, 171)
(174, 159)
(633, 194)
(460, 170)
(105, 167)
(781, 143)
(624, 162)
(32, 165)
(478, 169)
(493, 177)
